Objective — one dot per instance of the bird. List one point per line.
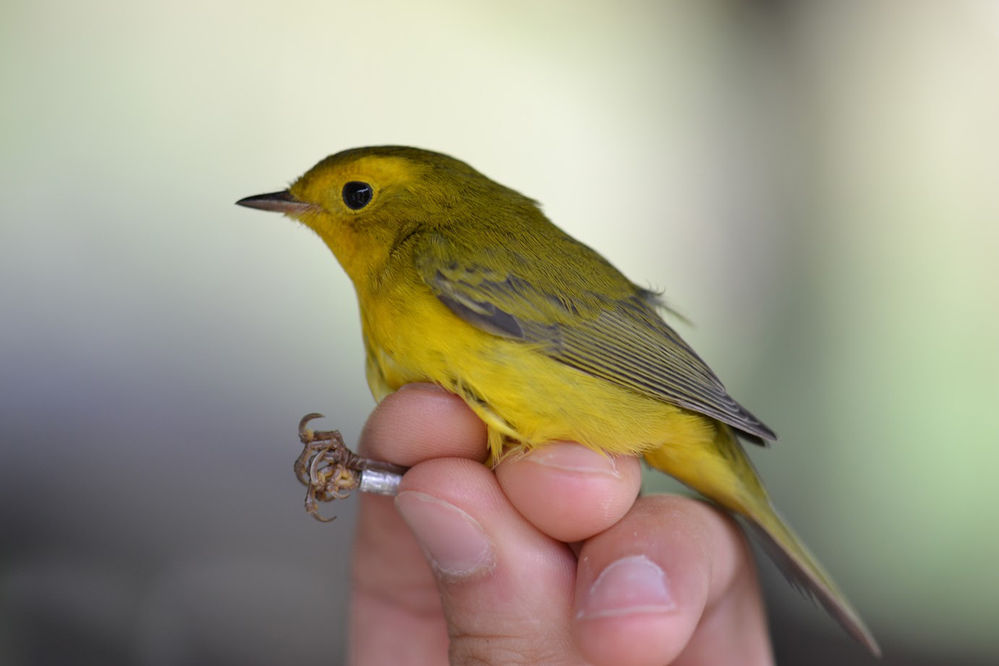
(465, 283)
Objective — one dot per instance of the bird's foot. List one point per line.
(330, 471)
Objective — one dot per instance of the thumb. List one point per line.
(395, 608)
(506, 588)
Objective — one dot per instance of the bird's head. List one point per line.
(365, 202)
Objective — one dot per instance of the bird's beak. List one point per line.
(281, 202)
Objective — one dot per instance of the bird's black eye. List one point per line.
(356, 194)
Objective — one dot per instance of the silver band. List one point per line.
(380, 481)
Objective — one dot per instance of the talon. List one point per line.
(312, 508)
(305, 433)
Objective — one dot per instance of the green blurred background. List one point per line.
(814, 184)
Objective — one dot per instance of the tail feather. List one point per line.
(805, 573)
(721, 471)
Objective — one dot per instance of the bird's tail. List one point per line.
(725, 475)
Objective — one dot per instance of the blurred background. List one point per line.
(814, 184)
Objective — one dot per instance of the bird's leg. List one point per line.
(329, 470)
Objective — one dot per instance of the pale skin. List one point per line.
(551, 558)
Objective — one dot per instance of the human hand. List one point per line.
(548, 559)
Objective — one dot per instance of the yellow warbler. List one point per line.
(465, 283)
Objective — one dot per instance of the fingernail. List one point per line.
(574, 458)
(453, 541)
(629, 586)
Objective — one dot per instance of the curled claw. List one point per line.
(305, 433)
(312, 508)
(330, 471)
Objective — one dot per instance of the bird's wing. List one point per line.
(619, 338)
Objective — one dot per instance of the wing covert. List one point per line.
(622, 340)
